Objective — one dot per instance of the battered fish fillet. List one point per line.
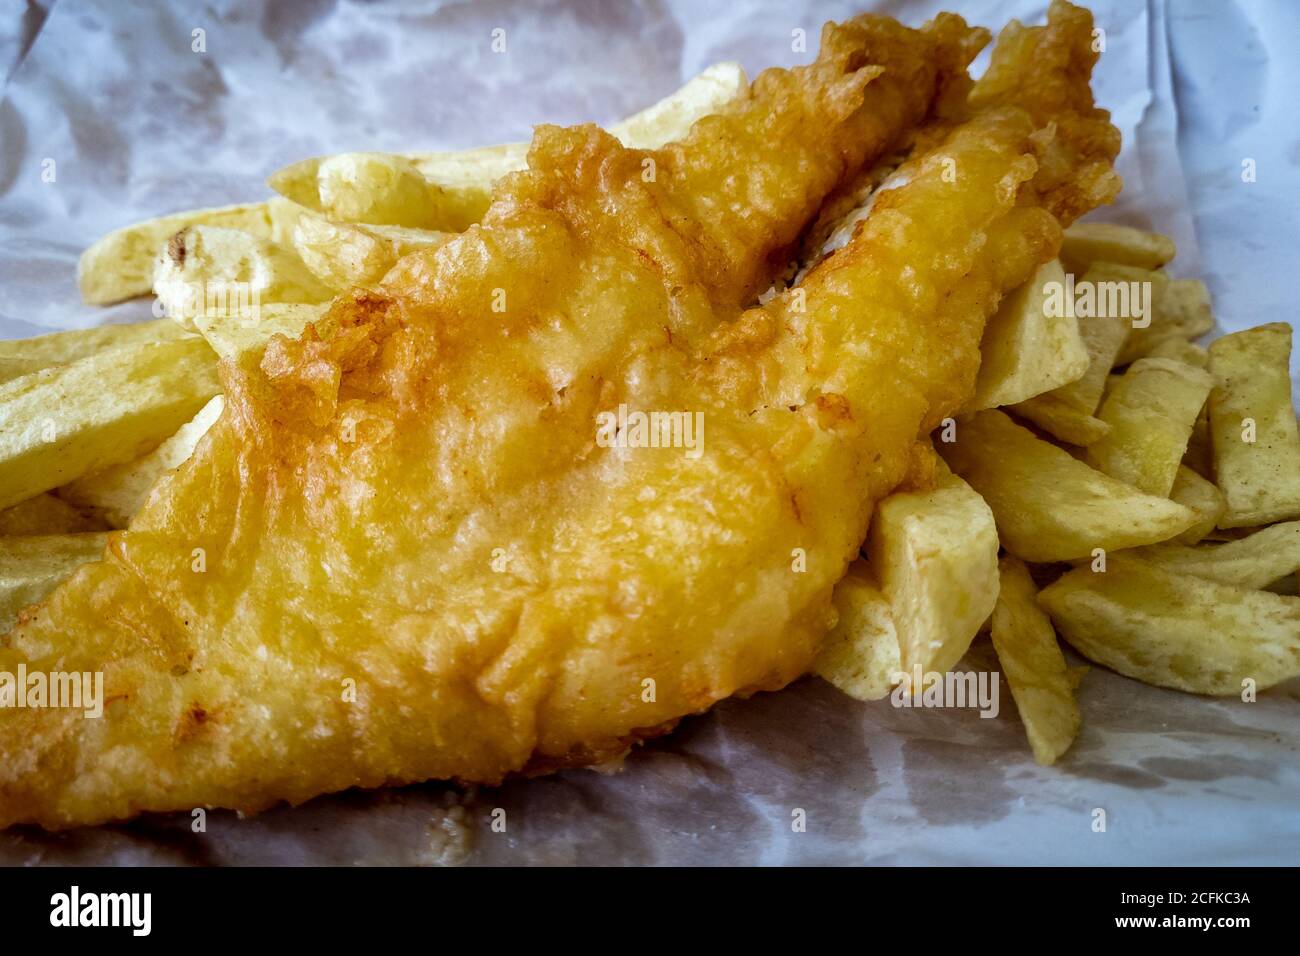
(402, 554)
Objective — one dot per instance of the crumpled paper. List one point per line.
(139, 124)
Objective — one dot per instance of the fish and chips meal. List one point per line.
(458, 466)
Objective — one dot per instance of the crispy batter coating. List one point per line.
(403, 553)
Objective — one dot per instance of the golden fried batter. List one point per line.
(404, 554)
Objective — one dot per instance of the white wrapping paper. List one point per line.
(138, 124)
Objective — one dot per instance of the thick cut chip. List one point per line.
(24, 356)
(118, 492)
(1028, 347)
(45, 514)
(1067, 412)
(1175, 630)
(449, 191)
(233, 338)
(31, 567)
(1063, 422)
(936, 553)
(61, 423)
(1253, 426)
(343, 254)
(1033, 664)
(1103, 337)
(1050, 506)
(1183, 351)
(1151, 412)
(1203, 497)
(1182, 312)
(861, 655)
(1128, 293)
(120, 265)
(1255, 561)
(1089, 242)
(388, 190)
(207, 270)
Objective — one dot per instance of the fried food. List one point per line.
(1203, 497)
(64, 422)
(861, 653)
(936, 554)
(117, 493)
(31, 566)
(209, 270)
(1176, 630)
(1253, 426)
(1151, 412)
(120, 265)
(1180, 312)
(20, 357)
(1067, 412)
(404, 552)
(1255, 561)
(45, 514)
(1089, 242)
(1049, 506)
(1028, 348)
(451, 191)
(1033, 664)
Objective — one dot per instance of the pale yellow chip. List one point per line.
(1175, 630)
(1033, 664)
(451, 190)
(1182, 312)
(1151, 411)
(24, 356)
(384, 189)
(1062, 421)
(861, 655)
(1201, 496)
(1048, 505)
(343, 255)
(1067, 412)
(120, 265)
(1255, 561)
(64, 422)
(209, 270)
(118, 492)
(1253, 426)
(1029, 347)
(1089, 242)
(1130, 293)
(236, 339)
(1102, 337)
(935, 553)
(46, 514)
(32, 567)
(1183, 351)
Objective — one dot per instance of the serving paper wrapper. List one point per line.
(138, 124)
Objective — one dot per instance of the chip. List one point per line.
(861, 655)
(1253, 426)
(1048, 505)
(1034, 665)
(1177, 630)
